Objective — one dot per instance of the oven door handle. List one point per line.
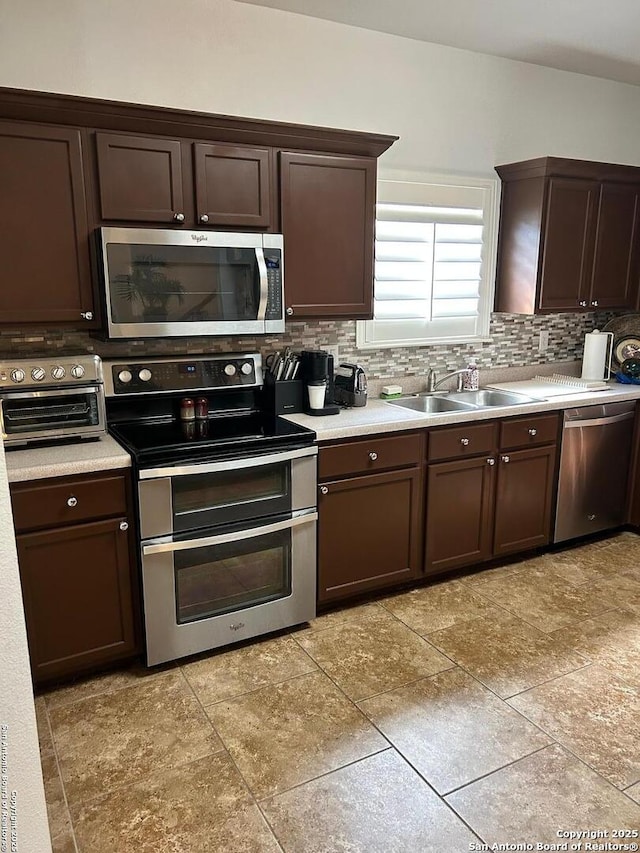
(264, 284)
(236, 536)
(228, 465)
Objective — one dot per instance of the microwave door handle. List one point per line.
(264, 285)
(224, 538)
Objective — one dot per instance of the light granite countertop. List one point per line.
(39, 463)
(380, 416)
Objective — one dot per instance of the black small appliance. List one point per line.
(316, 366)
(350, 385)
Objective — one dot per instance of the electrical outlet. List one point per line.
(543, 341)
(334, 351)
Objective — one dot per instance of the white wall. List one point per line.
(24, 775)
(455, 110)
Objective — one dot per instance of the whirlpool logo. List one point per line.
(236, 626)
(199, 238)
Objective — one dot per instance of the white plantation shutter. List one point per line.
(434, 250)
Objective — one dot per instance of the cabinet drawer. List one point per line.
(52, 504)
(370, 455)
(528, 432)
(465, 440)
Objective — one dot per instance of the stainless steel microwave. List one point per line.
(162, 283)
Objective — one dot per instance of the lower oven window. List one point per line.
(220, 579)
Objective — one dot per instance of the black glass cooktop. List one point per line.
(171, 442)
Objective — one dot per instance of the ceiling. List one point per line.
(587, 36)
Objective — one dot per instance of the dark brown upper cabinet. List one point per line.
(328, 218)
(75, 164)
(140, 179)
(569, 236)
(45, 274)
(233, 185)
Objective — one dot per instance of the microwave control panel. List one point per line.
(183, 374)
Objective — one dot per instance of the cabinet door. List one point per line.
(76, 586)
(233, 185)
(459, 513)
(140, 179)
(328, 214)
(523, 499)
(567, 252)
(368, 533)
(44, 240)
(615, 268)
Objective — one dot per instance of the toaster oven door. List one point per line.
(44, 415)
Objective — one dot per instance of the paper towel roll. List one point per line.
(595, 361)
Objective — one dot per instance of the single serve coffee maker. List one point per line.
(316, 372)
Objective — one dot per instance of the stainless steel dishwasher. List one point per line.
(594, 469)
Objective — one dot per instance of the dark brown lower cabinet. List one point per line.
(369, 533)
(76, 587)
(495, 504)
(459, 513)
(524, 497)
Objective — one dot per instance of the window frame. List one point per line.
(365, 329)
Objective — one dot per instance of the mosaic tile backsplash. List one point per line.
(514, 342)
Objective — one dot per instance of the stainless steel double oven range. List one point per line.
(227, 503)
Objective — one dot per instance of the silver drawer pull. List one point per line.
(324, 490)
(124, 525)
(464, 442)
(373, 456)
(72, 501)
(505, 458)
(289, 312)
(533, 432)
(491, 461)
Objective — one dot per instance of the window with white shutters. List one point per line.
(434, 262)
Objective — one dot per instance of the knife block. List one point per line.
(283, 397)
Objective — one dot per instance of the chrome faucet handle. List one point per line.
(460, 384)
(431, 380)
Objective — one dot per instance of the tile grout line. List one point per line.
(226, 750)
(151, 676)
(61, 778)
(500, 769)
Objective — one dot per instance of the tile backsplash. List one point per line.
(514, 342)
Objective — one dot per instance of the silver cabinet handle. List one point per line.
(464, 442)
(491, 461)
(373, 456)
(178, 217)
(533, 431)
(72, 501)
(289, 312)
(204, 218)
(124, 525)
(505, 458)
(595, 303)
(86, 315)
(583, 303)
(324, 490)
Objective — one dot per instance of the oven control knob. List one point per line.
(125, 376)
(230, 369)
(246, 368)
(58, 372)
(144, 375)
(17, 375)
(38, 374)
(77, 371)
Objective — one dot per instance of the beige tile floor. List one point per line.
(499, 707)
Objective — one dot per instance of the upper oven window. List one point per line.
(155, 283)
(200, 500)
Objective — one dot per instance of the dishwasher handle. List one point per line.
(592, 422)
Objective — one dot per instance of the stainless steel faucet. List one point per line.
(433, 382)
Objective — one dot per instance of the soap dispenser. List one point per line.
(471, 378)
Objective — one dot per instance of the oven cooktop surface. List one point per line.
(168, 442)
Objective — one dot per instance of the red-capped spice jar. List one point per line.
(202, 408)
(187, 409)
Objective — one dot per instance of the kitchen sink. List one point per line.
(432, 405)
(485, 398)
